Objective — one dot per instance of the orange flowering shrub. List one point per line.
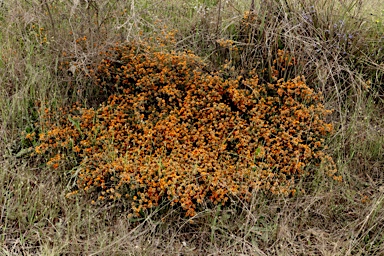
(171, 132)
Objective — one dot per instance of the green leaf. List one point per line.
(75, 123)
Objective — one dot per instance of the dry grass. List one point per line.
(327, 218)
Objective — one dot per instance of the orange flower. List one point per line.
(169, 130)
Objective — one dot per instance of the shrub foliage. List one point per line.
(172, 132)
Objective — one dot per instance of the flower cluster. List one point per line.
(38, 33)
(170, 131)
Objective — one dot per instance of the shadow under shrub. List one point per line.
(171, 132)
